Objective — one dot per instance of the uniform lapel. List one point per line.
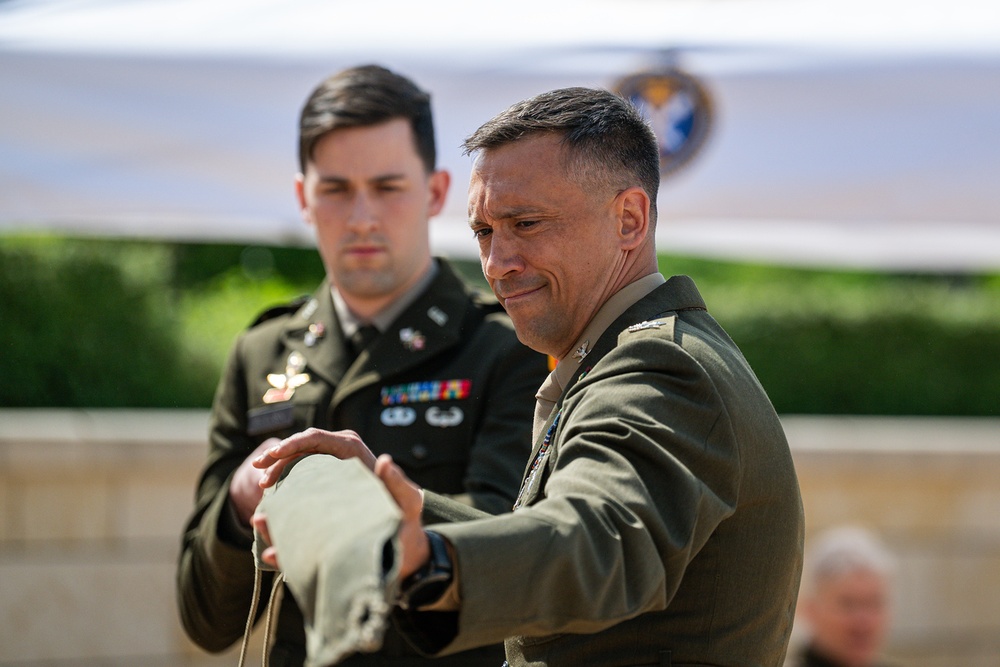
(431, 325)
(678, 293)
(315, 332)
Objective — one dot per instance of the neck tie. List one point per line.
(362, 338)
(545, 400)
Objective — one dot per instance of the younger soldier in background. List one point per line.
(391, 349)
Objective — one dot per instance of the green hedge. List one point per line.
(91, 323)
(838, 342)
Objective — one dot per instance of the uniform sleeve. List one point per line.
(215, 569)
(643, 468)
(502, 440)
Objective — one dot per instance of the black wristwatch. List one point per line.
(428, 584)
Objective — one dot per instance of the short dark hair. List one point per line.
(362, 96)
(610, 141)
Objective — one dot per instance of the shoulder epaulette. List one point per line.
(283, 309)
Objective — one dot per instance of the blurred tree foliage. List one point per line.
(855, 342)
(90, 324)
(97, 323)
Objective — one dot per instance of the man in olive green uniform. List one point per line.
(392, 350)
(659, 520)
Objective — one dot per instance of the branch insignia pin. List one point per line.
(412, 339)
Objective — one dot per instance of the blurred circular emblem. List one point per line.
(678, 109)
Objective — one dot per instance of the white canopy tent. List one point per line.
(845, 132)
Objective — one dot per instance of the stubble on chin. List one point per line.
(540, 332)
(365, 282)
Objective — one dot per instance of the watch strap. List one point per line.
(429, 583)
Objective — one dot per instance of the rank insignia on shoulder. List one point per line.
(439, 316)
(283, 386)
(654, 324)
(311, 307)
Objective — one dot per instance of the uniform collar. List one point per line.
(350, 323)
(429, 324)
(653, 298)
(612, 309)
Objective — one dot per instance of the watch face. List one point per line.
(426, 591)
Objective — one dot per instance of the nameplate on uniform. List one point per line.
(270, 418)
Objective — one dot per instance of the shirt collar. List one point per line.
(350, 323)
(608, 313)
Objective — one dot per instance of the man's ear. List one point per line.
(632, 209)
(300, 195)
(438, 183)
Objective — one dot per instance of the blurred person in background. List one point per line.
(392, 350)
(845, 599)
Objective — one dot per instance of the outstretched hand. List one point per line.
(270, 554)
(412, 539)
(342, 444)
(244, 487)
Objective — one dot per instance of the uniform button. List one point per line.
(419, 452)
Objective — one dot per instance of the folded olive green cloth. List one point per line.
(335, 529)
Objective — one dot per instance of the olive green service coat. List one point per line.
(663, 526)
(448, 391)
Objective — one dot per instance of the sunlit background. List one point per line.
(842, 217)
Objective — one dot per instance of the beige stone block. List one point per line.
(153, 505)
(100, 604)
(920, 495)
(949, 589)
(962, 655)
(92, 504)
(6, 509)
(125, 425)
(62, 609)
(65, 509)
(979, 507)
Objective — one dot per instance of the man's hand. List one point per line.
(245, 490)
(412, 539)
(342, 444)
(269, 555)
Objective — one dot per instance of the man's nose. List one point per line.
(362, 213)
(500, 256)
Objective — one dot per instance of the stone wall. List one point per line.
(92, 504)
(931, 488)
